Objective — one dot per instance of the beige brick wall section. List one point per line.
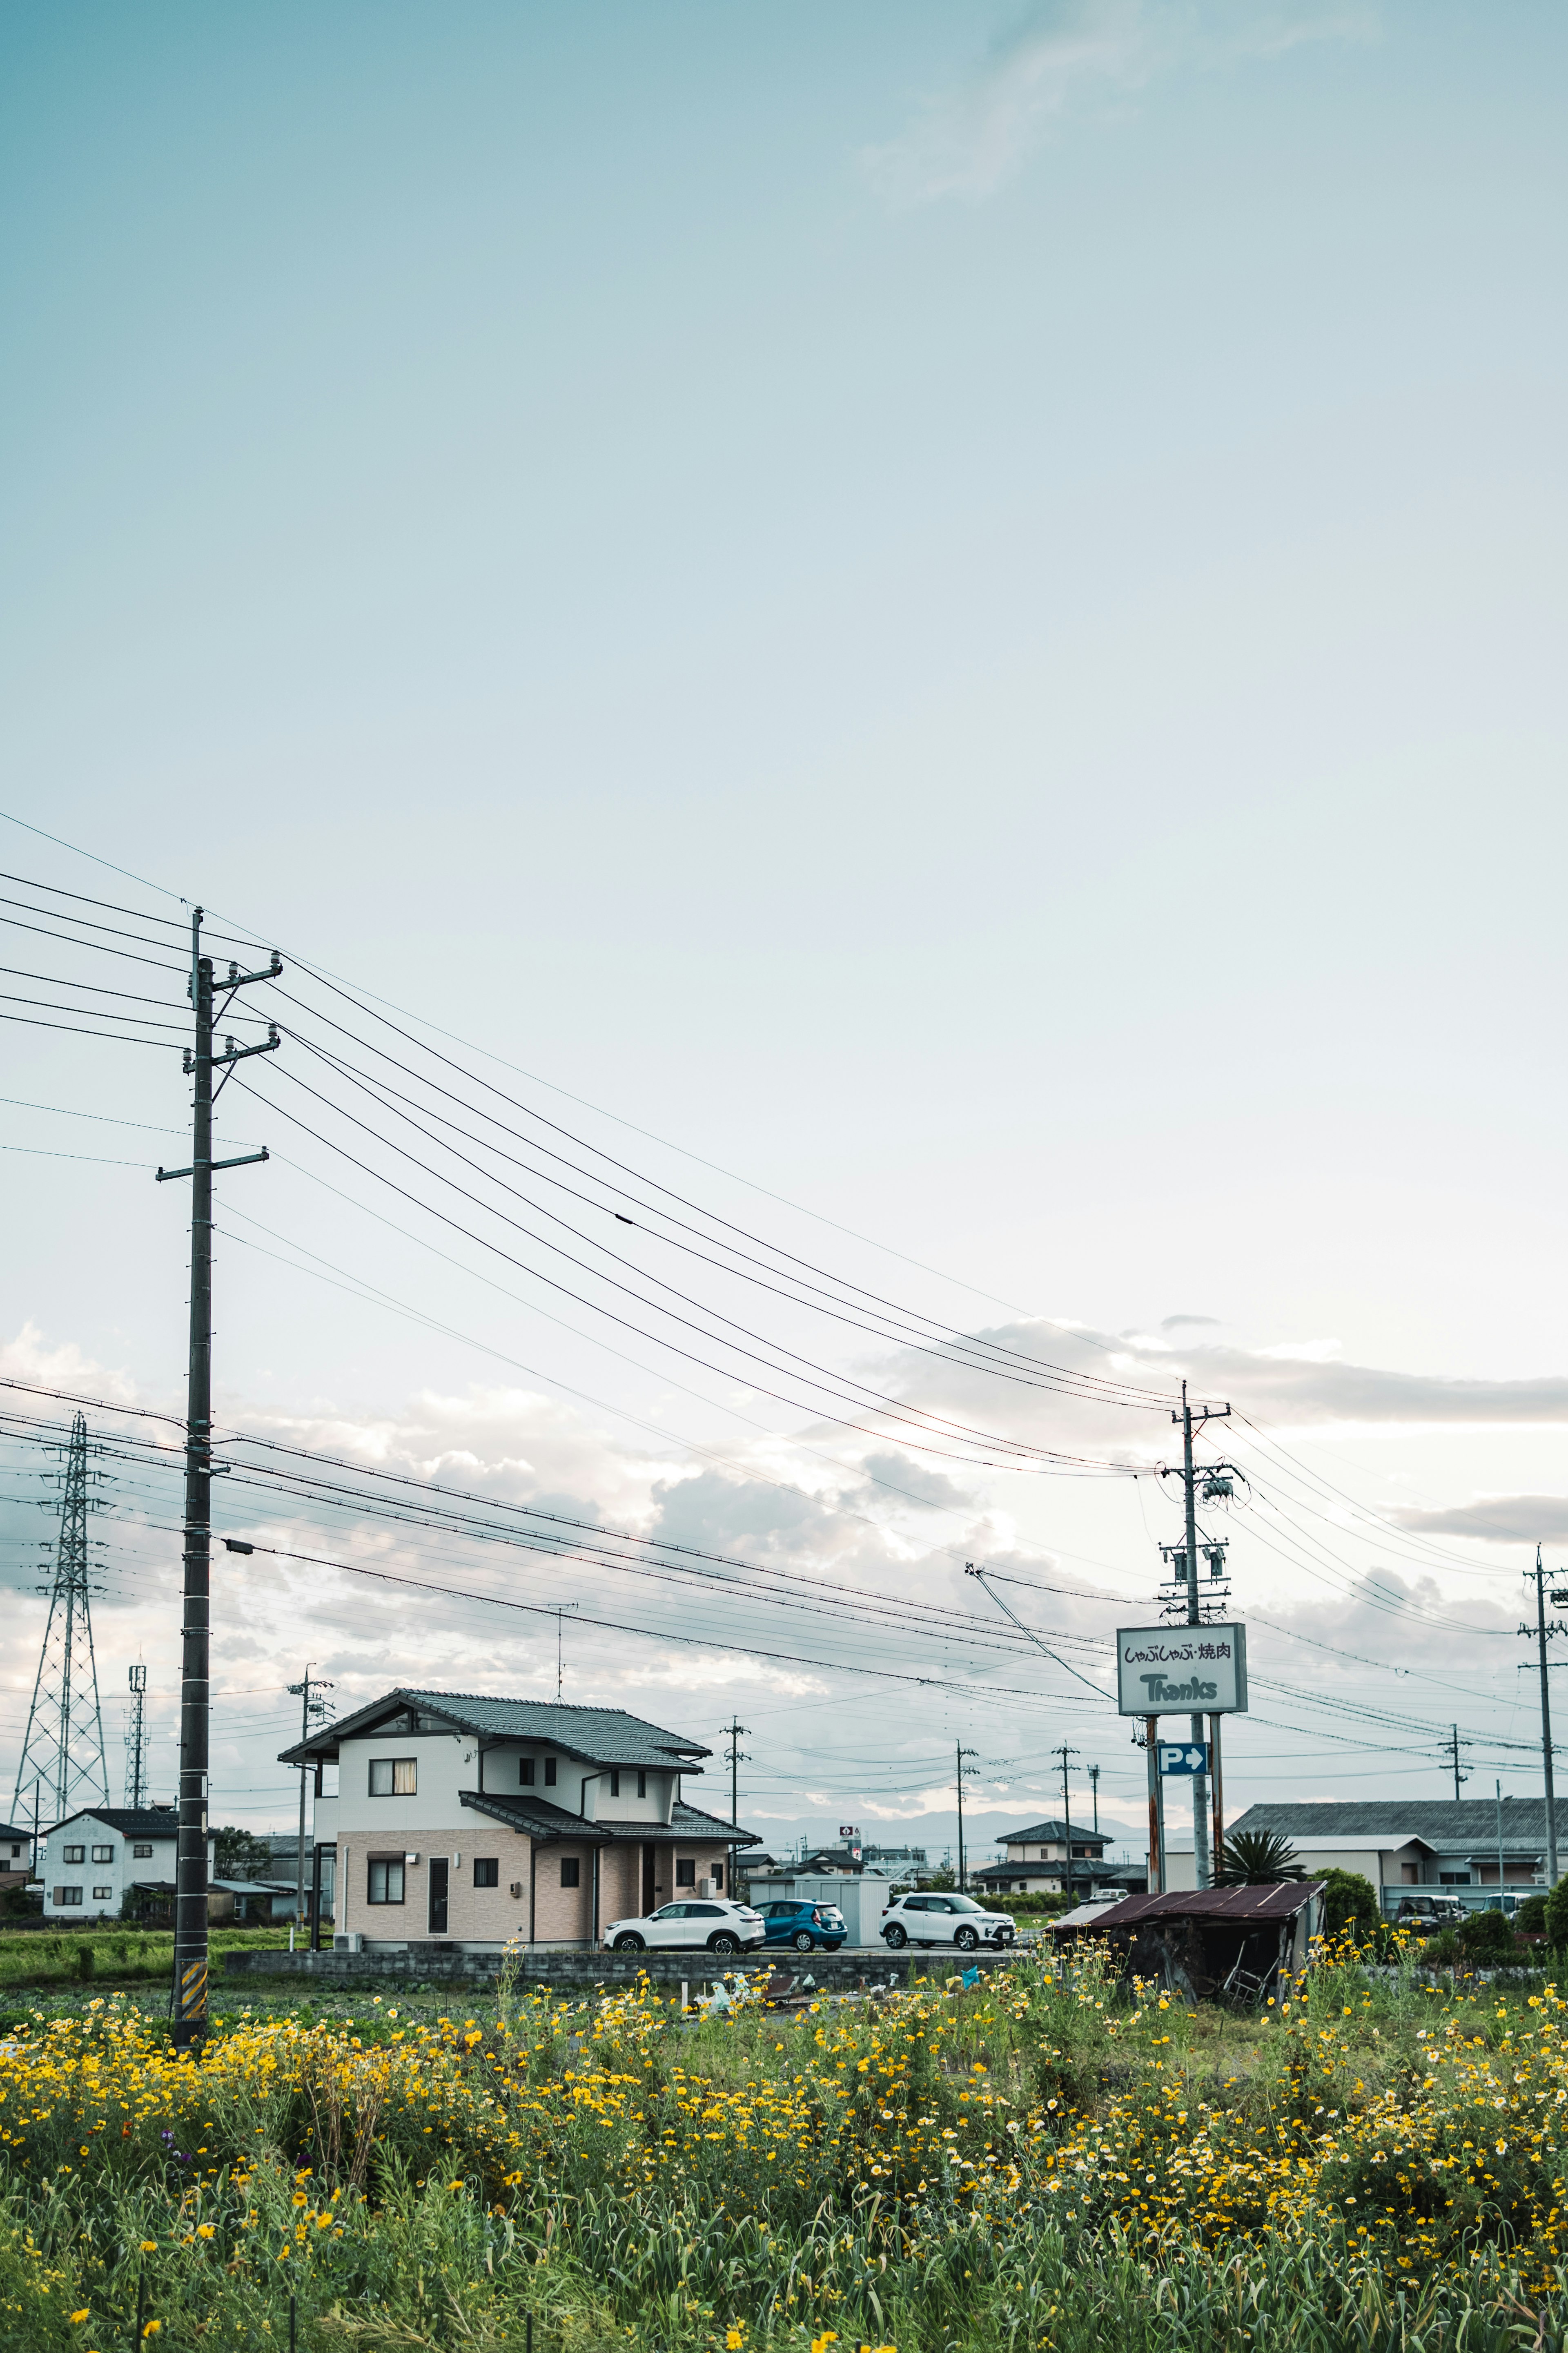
(493, 1914)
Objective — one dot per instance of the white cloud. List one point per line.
(966, 140)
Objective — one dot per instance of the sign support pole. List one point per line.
(1215, 1723)
(1156, 1807)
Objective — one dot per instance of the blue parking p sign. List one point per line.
(1188, 1756)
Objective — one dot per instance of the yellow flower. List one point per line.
(149, 2246)
(205, 2229)
(734, 2340)
(77, 2319)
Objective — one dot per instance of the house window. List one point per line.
(487, 1870)
(569, 1868)
(550, 1772)
(686, 1871)
(1452, 1878)
(642, 1785)
(143, 1853)
(392, 1776)
(67, 1895)
(525, 1772)
(386, 1879)
(614, 1785)
(73, 1854)
(103, 1895)
(103, 1854)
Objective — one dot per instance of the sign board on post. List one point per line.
(1191, 1757)
(1181, 1670)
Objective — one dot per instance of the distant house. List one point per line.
(1447, 1846)
(467, 1817)
(89, 1861)
(1037, 1862)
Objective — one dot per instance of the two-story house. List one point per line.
(462, 1817)
(1037, 1863)
(89, 1861)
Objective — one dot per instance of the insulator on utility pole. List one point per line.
(189, 1999)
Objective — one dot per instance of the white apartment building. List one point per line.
(86, 1862)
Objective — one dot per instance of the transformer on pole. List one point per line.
(62, 1756)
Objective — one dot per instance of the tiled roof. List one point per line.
(156, 1821)
(1043, 1834)
(595, 1736)
(551, 1823)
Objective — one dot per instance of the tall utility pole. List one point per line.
(1063, 1752)
(1195, 1613)
(1542, 1630)
(1094, 1786)
(310, 1711)
(558, 1613)
(737, 1756)
(62, 1753)
(190, 2003)
(1454, 1744)
(138, 1790)
(960, 1753)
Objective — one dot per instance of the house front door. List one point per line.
(437, 1895)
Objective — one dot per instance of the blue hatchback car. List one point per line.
(809, 1928)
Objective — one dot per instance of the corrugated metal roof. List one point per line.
(1245, 1905)
(1470, 1821)
(597, 1736)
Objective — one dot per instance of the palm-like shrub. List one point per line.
(1256, 1859)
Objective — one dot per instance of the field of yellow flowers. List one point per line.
(1043, 2161)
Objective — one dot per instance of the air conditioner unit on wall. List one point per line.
(349, 1942)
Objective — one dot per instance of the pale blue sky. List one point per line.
(958, 608)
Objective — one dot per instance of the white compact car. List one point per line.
(708, 1925)
(945, 1920)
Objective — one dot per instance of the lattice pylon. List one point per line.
(63, 1751)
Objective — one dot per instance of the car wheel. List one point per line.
(805, 1942)
(895, 1937)
(723, 1942)
(630, 1942)
(966, 1940)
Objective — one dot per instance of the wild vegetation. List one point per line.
(1043, 2160)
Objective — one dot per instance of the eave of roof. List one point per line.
(548, 1825)
(620, 1738)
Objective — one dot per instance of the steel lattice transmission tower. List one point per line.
(137, 1795)
(63, 1751)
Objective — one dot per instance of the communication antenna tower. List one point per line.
(136, 1778)
(63, 1750)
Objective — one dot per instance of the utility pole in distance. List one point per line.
(737, 1756)
(309, 1709)
(1063, 1752)
(1186, 1417)
(1454, 1743)
(1094, 1786)
(1542, 1630)
(960, 1753)
(190, 2003)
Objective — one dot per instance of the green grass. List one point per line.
(48, 1958)
(430, 2249)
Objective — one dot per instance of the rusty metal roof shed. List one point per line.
(1237, 1906)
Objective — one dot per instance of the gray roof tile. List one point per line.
(598, 1735)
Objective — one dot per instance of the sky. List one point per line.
(937, 628)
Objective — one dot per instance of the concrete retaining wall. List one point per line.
(841, 1972)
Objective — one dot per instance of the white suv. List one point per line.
(711, 1926)
(945, 1920)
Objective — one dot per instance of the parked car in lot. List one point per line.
(711, 1926)
(945, 1920)
(809, 1928)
